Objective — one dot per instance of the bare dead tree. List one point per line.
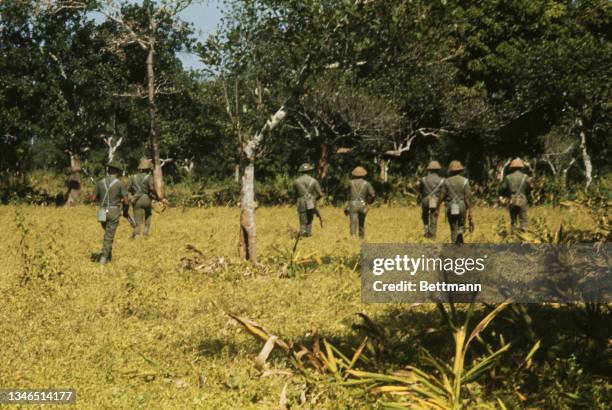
(250, 150)
(145, 38)
(586, 158)
(112, 146)
(188, 164)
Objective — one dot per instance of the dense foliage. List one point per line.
(388, 85)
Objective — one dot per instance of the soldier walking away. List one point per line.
(455, 192)
(306, 191)
(112, 195)
(516, 186)
(143, 192)
(361, 193)
(430, 188)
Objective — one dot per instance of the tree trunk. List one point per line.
(323, 164)
(248, 236)
(384, 169)
(158, 177)
(189, 166)
(501, 172)
(74, 182)
(586, 158)
(248, 231)
(237, 172)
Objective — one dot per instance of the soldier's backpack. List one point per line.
(432, 199)
(105, 203)
(518, 199)
(455, 208)
(308, 197)
(139, 191)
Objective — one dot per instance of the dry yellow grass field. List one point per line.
(144, 333)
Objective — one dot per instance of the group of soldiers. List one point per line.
(453, 191)
(115, 199)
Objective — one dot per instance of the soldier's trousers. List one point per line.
(456, 222)
(142, 212)
(518, 218)
(357, 223)
(110, 228)
(430, 221)
(306, 218)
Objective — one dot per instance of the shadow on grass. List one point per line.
(399, 335)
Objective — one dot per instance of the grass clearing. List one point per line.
(143, 332)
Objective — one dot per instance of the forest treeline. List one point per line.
(383, 84)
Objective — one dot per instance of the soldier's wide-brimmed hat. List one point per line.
(145, 164)
(359, 172)
(115, 164)
(434, 166)
(517, 163)
(455, 166)
(306, 167)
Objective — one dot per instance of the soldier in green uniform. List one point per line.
(306, 191)
(455, 192)
(516, 186)
(430, 188)
(112, 195)
(142, 189)
(361, 193)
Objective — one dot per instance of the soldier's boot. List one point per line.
(103, 260)
(426, 231)
(147, 223)
(514, 228)
(523, 220)
(433, 226)
(309, 230)
(459, 238)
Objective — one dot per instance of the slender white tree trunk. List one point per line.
(112, 148)
(74, 182)
(384, 169)
(158, 176)
(248, 231)
(237, 172)
(500, 171)
(586, 158)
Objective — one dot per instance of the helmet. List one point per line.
(455, 166)
(359, 172)
(517, 163)
(115, 164)
(305, 167)
(434, 165)
(145, 164)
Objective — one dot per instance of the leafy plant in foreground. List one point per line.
(445, 388)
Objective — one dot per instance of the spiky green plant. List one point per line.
(443, 389)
